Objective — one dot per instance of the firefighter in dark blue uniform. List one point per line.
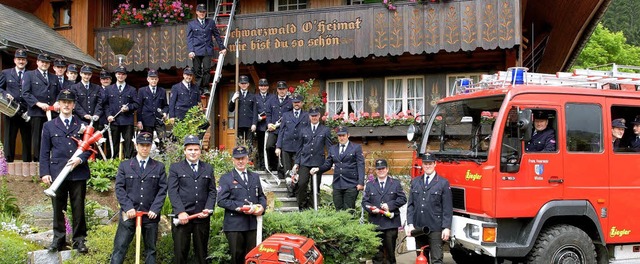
(72, 73)
(40, 90)
(348, 170)
(384, 193)
(89, 97)
(289, 140)
(618, 126)
(431, 206)
(262, 97)
(544, 137)
(105, 81)
(192, 190)
(60, 68)
(316, 138)
(153, 107)
(141, 186)
(200, 34)
(121, 97)
(247, 115)
(635, 141)
(11, 88)
(183, 96)
(56, 151)
(243, 200)
(275, 107)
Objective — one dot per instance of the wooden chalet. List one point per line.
(364, 55)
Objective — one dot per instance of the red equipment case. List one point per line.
(285, 248)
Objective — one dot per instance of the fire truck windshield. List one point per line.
(461, 130)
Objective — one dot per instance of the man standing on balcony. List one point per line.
(261, 126)
(183, 96)
(153, 107)
(247, 116)
(88, 98)
(275, 107)
(11, 88)
(199, 41)
(289, 141)
(122, 102)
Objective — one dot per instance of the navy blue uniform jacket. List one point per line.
(88, 102)
(199, 37)
(543, 141)
(182, 99)
(290, 139)
(261, 107)
(150, 103)
(116, 99)
(192, 192)
(247, 114)
(10, 83)
(312, 149)
(348, 168)
(635, 144)
(233, 193)
(141, 190)
(431, 205)
(36, 89)
(392, 195)
(275, 109)
(57, 147)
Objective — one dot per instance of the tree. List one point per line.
(606, 47)
(622, 16)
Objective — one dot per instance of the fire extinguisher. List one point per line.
(421, 259)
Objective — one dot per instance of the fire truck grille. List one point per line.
(457, 195)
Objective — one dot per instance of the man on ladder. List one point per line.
(199, 41)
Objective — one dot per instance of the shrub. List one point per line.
(8, 202)
(13, 249)
(102, 172)
(89, 210)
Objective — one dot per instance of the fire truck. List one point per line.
(573, 202)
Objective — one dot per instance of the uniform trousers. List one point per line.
(274, 164)
(434, 240)
(240, 243)
(76, 191)
(36, 124)
(11, 127)
(126, 131)
(260, 150)
(386, 252)
(245, 134)
(344, 199)
(201, 67)
(182, 235)
(124, 235)
(305, 194)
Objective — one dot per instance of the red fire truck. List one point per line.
(573, 202)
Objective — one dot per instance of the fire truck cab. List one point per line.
(565, 197)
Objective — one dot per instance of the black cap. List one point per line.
(152, 73)
(240, 151)
(105, 74)
(84, 69)
(342, 130)
(59, 63)
(20, 53)
(619, 122)
(296, 98)
(428, 157)
(282, 85)
(263, 82)
(381, 163)
(540, 115)
(636, 121)
(191, 140)
(73, 68)
(144, 138)
(243, 79)
(201, 8)
(187, 70)
(314, 111)
(44, 57)
(67, 95)
(121, 69)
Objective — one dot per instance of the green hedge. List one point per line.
(13, 249)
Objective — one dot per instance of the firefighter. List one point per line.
(153, 107)
(430, 205)
(262, 98)
(247, 116)
(121, 103)
(384, 193)
(617, 130)
(11, 88)
(544, 137)
(89, 97)
(635, 142)
(289, 139)
(275, 107)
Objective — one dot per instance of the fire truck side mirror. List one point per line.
(524, 123)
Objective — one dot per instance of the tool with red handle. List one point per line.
(176, 221)
(380, 211)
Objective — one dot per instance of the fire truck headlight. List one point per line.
(412, 132)
(472, 231)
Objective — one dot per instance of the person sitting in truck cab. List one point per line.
(544, 137)
(618, 126)
(635, 142)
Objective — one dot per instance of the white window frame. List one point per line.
(290, 5)
(451, 80)
(418, 97)
(344, 98)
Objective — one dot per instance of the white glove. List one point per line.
(236, 95)
(278, 152)
(313, 171)
(408, 229)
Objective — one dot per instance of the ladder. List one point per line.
(223, 16)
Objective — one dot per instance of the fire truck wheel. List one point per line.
(563, 244)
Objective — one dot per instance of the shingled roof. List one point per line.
(19, 29)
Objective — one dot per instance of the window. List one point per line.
(355, 2)
(584, 128)
(284, 5)
(61, 14)
(451, 80)
(625, 129)
(336, 99)
(404, 93)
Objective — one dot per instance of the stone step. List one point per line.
(288, 201)
(286, 209)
